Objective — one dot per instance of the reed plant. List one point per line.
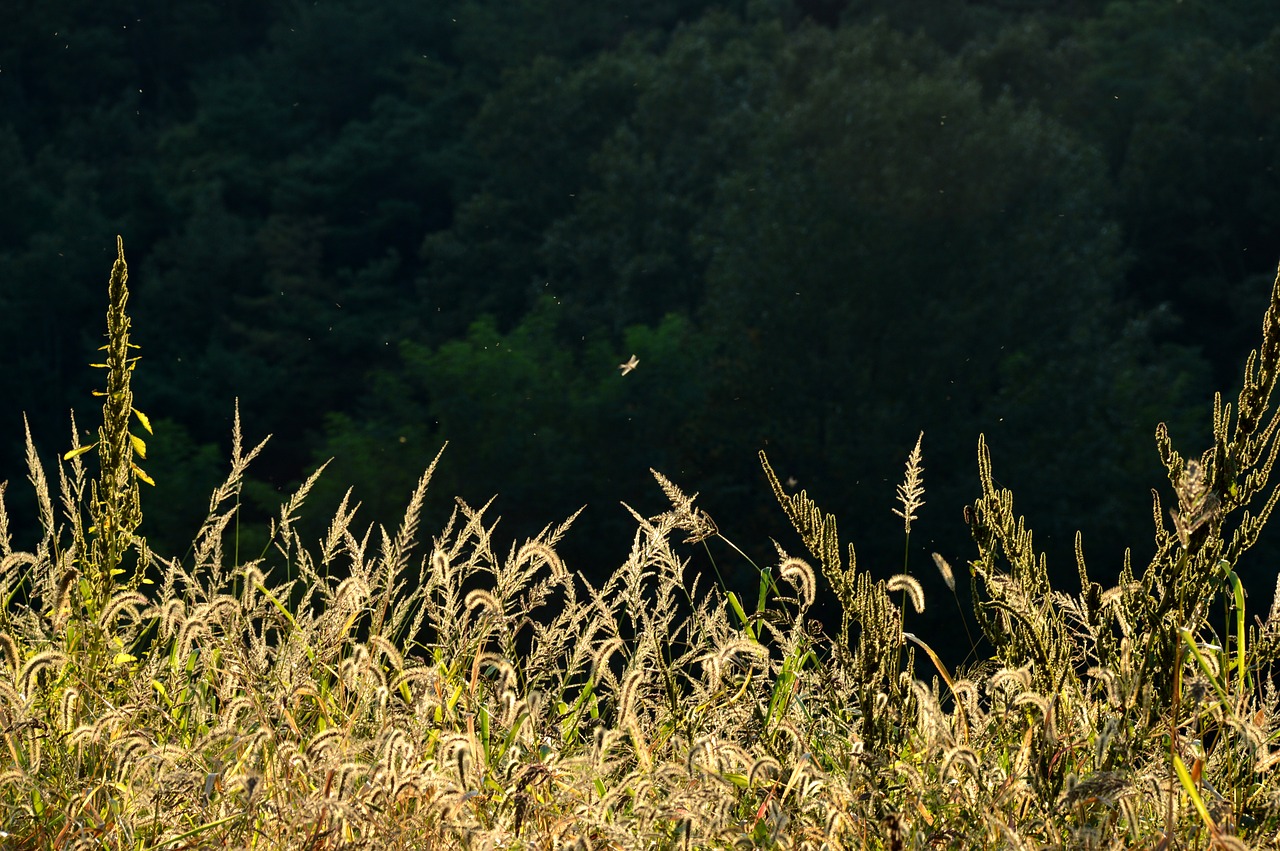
(381, 688)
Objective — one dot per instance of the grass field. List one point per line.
(387, 689)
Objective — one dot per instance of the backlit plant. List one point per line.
(383, 689)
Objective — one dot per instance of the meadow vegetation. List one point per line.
(385, 689)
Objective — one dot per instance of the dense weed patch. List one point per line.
(456, 694)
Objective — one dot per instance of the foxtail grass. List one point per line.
(387, 688)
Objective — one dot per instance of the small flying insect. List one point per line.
(629, 365)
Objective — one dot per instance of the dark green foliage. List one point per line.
(835, 210)
(495, 35)
(633, 246)
(185, 472)
(1181, 99)
(549, 428)
(892, 249)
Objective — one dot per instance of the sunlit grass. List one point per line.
(381, 689)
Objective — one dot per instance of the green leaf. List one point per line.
(1237, 591)
(742, 615)
(142, 418)
(75, 453)
(139, 445)
(1214, 680)
(264, 591)
(141, 474)
(1189, 786)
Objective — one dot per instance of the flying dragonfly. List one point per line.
(629, 365)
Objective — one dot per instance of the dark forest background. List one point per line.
(821, 225)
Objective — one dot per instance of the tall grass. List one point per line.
(383, 689)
